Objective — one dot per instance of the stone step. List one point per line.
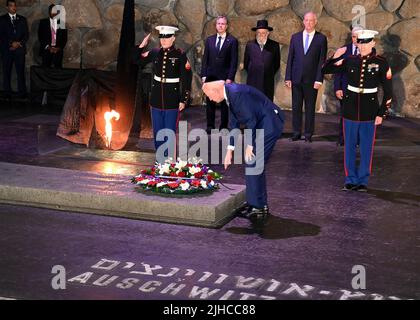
(114, 195)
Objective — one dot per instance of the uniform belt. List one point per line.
(362, 90)
(166, 80)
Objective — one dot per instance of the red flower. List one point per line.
(196, 183)
(199, 175)
(138, 179)
(209, 178)
(152, 183)
(173, 174)
(173, 185)
(190, 165)
(182, 174)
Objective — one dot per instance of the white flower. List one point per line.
(204, 184)
(212, 183)
(194, 170)
(185, 186)
(166, 169)
(161, 184)
(181, 164)
(210, 171)
(146, 181)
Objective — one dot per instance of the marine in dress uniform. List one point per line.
(249, 107)
(262, 59)
(172, 78)
(361, 109)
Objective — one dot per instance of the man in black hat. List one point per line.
(262, 59)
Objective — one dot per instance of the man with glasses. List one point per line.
(262, 59)
(220, 61)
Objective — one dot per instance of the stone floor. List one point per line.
(315, 237)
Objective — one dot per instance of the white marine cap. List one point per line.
(166, 31)
(366, 36)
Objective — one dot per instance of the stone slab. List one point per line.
(91, 192)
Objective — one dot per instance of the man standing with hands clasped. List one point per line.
(362, 112)
(220, 62)
(307, 53)
(14, 34)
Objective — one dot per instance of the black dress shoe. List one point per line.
(361, 188)
(258, 213)
(349, 187)
(295, 137)
(308, 139)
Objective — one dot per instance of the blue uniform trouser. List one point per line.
(164, 119)
(362, 134)
(256, 188)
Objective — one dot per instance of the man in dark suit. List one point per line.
(13, 37)
(262, 59)
(249, 107)
(341, 81)
(220, 61)
(52, 40)
(307, 53)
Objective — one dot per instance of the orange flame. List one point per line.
(108, 125)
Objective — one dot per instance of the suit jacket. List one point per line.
(220, 64)
(262, 65)
(8, 34)
(340, 79)
(44, 36)
(303, 68)
(250, 107)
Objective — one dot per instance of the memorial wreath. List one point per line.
(177, 178)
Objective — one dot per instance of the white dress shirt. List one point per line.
(12, 16)
(222, 40)
(311, 37)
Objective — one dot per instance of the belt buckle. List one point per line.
(163, 80)
(362, 90)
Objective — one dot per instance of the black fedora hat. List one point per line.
(262, 24)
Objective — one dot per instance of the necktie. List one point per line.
(14, 24)
(219, 43)
(306, 43)
(262, 47)
(53, 36)
(355, 51)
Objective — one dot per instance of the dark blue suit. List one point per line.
(250, 107)
(219, 65)
(304, 70)
(8, 34)
(340, 83)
